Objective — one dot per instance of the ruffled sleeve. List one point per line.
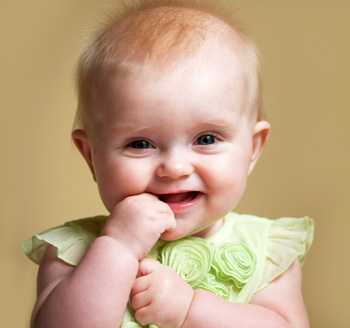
(287, 239)
(71, 240)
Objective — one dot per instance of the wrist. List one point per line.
(198, 310)
(122, 251)
(185, 323)
(122, 240)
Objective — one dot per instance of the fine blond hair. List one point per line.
(136, 33)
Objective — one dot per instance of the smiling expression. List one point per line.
(183, 136)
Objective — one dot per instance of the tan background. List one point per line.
(304, 170)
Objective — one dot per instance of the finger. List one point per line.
(147, 266)
(141, 284)
(168, 219)
(172, 225)
(146, 196)
(141, 300)
(144, 316)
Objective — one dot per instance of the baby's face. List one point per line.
(184, 136)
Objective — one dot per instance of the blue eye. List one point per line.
(206, 140)
(140, 144)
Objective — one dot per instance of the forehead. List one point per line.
(222, 59)
(194, 89)
(212, 79)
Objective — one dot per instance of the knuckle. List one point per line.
(135, 302)
(142, 317)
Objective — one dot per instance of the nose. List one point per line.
(174, 166)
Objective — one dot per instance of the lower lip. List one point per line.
(176, 207)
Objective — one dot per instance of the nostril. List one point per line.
(174, 170)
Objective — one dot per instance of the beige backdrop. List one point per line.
(304, 170)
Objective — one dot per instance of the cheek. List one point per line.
(120, 179)
(228, 195)
(229, 180)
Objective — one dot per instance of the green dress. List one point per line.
(243, 257)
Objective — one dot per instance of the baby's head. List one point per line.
(169, 105)
(154, 37)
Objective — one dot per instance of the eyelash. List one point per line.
(137, 144)
(203, 140)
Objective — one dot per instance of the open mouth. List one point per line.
(179, 197)
(180, 200)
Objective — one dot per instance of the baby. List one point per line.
(170, 124)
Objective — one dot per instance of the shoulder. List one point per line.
(70, 240)
(275, 233)
(276, 244)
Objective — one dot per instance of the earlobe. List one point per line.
(261, 134)
(82, 142)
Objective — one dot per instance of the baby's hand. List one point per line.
(138, 221)
(159, 296)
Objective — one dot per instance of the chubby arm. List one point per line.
(92, 294)
(279, 305)
(95, 292)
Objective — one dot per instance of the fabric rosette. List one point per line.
(210, 284)
(234, 262)
(190, 257)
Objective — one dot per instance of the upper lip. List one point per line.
(176, 192)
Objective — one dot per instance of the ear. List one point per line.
(260, 136)
(82, 142)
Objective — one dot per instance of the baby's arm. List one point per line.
(92, 294)
(279, 305)
(95, 292)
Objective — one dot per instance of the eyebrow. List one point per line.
(125, 128)
(130, 128)
(200, 125)
(216, 123)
